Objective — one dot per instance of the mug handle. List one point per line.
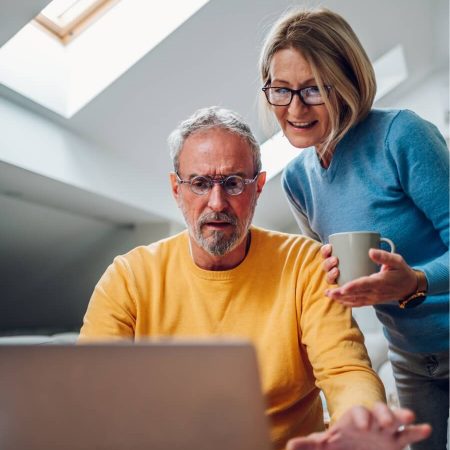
(389, 242)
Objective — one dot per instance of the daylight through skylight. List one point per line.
(64, 78)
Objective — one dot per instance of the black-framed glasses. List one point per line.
(282, 96)
(232, 184)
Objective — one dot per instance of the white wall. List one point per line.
(429, 98)
(40, 147)
(48, 287)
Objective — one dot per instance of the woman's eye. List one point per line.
(313, 90)
(282, 91)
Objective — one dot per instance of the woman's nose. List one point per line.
(296, 104)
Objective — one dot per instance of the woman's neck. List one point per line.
(324, 158)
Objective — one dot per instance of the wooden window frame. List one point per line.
(67, 33)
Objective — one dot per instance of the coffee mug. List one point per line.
(352, 250)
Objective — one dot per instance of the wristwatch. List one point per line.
(417, 297)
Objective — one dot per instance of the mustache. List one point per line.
(222, 216)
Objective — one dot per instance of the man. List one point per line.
(225, 277)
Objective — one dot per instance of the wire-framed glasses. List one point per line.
(282, 96)
(232, 184)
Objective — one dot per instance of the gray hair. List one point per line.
(208, 118)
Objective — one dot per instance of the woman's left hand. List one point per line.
(394, 281)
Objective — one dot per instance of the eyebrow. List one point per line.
(308, 82)
(193, 175)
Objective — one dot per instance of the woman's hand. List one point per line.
(361, 429)
(394, 281)
(330, 265)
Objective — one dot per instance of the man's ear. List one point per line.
(175, 186)
(260, 182)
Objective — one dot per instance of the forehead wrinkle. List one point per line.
(218, 175)
(291, 67)
(215, 153)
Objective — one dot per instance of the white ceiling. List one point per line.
(212, 60)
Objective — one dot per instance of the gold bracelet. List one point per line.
(417, 297)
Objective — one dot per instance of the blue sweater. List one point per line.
(390, 173)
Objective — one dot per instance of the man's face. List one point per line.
(217, 222)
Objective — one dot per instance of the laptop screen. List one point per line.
(158, 395)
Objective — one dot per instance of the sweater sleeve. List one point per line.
(422, 161)
(299, 215)
(111, 313)
(335, 345)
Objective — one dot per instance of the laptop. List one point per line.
(157, 395)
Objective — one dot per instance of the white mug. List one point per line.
(352, 251)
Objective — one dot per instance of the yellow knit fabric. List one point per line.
(275, 298)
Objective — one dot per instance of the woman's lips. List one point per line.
(304, 125)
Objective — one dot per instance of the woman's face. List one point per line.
(303, 125)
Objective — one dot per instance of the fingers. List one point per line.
(380, 257)
(361, 418)
(360, 292)
(326, 250)
(330, 264)
(349, 299)
(377, 288)
(388, 420)
(404, 416)
(332, 274)
(314, 441)
(395, 280)
(413, 433)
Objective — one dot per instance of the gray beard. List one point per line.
(218, 244)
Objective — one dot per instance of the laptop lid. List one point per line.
(165, 395)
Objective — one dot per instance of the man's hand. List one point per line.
(394, 281)
(361, 429)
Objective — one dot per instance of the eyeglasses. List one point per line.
(282, 96)
(232, 185)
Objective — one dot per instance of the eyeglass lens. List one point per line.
(233, 185)
(281, 96)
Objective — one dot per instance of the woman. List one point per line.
(368, 169)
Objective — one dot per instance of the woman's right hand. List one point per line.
(363, 429)
(395, 280)
(330, 264)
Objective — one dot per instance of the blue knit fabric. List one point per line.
(389, 174)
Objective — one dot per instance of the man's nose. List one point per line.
(217, 199)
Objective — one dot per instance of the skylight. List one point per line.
(64, 78)
(390, 71)
(67, 18)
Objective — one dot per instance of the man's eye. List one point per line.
(233, 182)
(200, 182)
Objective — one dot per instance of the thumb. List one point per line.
(313, 441)
(382, 257)
(414, 433)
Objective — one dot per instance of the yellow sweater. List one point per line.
(275, 298)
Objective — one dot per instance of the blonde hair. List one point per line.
(336, 58)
